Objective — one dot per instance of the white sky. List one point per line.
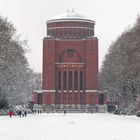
(29, 17)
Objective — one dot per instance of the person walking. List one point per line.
(25, 113)
(10, 113)
(20, 113)
(38, 111)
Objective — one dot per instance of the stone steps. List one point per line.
(91, 109)
(70, 110)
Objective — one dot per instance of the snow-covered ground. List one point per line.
(70, 127)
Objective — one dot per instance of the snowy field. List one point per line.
(70, 127)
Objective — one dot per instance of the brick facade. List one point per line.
(70, 63)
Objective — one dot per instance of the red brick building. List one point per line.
(70, 63)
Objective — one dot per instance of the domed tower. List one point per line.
(70, 62)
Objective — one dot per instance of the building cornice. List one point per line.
(67, 20)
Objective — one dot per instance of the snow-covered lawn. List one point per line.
(70, 127)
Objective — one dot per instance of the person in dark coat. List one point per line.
(20, 113)
(25, 113)
(38, 111)
(64, 111)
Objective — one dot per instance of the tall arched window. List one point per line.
(81, 98)
(64, 96)
(76, 96)
(70, 80)
(81, 80)
(64, 80)
(59, 80)
(75, 80)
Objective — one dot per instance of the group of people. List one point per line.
(21, 113)
(37, 111)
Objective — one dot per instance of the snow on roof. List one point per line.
(69, 15)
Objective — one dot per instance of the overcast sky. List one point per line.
(29, 17)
